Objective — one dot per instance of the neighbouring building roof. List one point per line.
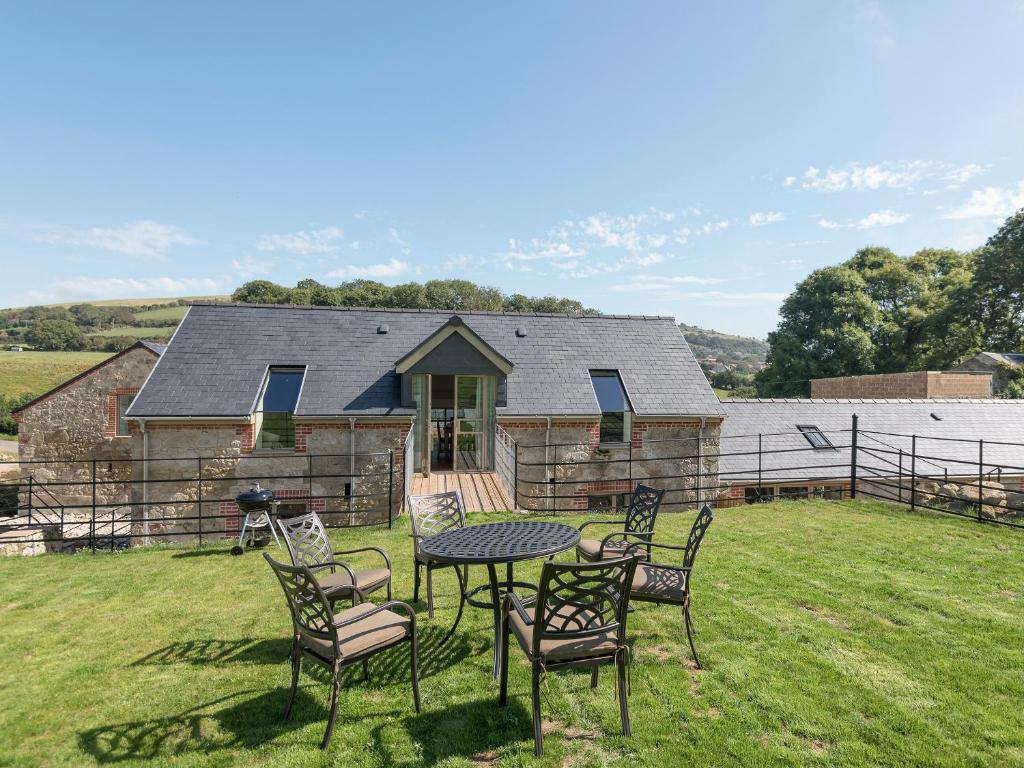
(777, 421)
(156, 349)
(218, 358)
(1003, 358)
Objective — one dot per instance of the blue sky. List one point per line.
(671, 158)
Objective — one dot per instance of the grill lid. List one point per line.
(255, 498)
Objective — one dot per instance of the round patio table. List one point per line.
(491, 544)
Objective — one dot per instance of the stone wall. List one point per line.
(663, 454)
(915, 384)
(320, 475)
(68, 438)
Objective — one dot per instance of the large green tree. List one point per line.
(825, 330)
(995, 299)
(56, 335)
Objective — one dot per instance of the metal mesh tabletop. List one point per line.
(500, 542)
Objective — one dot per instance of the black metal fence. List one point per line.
(980, 479)
(94, 504)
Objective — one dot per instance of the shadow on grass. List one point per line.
(247, 721)
(213, 651)
(391, 666)
(477, 730)
(210, 552)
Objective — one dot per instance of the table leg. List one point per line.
(492, 573)
(462, 604)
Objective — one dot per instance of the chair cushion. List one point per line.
(339, 581)
(366, 636)
(588, 549)
(650, 581)
(559, 649)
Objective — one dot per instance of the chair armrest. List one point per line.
(644, 536)
(378, 550)
(601, 522)
(332, 564)
(512, 600)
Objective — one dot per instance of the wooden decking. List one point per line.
(481, 491)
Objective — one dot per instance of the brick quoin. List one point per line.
(110, 423)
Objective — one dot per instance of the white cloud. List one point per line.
(863, 177)
(959, 174)
(760, 218)
(404, 246)
(790, 181)
(464, 261)
(990, 203)
(714, 226)
(885, 218)
(391, 268)
(144, 238)
(317, 241)
(648, 283)
(90, 288)
(249, 267)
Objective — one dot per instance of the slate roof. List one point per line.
(216, 361)
(152, 346)
(990, 420)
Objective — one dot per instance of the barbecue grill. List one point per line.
(258, 505)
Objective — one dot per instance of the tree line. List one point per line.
(882, 313)
(454, 295)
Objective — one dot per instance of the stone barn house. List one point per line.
(346, 411)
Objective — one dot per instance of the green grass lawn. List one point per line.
(37, 372)
(833, 634)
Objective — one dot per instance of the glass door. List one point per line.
(474, 403)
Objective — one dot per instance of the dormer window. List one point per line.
(275, 422)
(615, 408)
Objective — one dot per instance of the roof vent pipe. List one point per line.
(521, 332)
(383, 328)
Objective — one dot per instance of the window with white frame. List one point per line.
(123, 428)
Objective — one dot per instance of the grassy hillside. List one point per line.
(156, 332)
(32, 373)
(742, 352)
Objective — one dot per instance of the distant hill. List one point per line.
(741, 353)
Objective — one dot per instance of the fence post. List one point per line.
(981, 477)
(913, 471)
(92, 518)
(30, 501)
(700, 469)
(758, 466)
(391, 482)
(309, 482)
(899, 485)
(199, 497)
(515, 474)
(853, 459)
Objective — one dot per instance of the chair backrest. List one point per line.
(306, 539)
(310, 609)
(697, 531)
(581, 600)
(643, 509)
(436, 513)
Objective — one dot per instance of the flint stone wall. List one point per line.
(664, 455)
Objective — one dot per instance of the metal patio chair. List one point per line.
(308, 545)
(670, 584)
(339, 640)
(432, 514)
(639, 524)
(579, 620)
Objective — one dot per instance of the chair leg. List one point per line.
(414, 669)
(366, 669)
(688, 620)
(296, 668)
(620, 668)
(538, 736)
(416, 584)
(430, 592)
(389, 587)
(335, 690)
(503, 663)
(593, 676)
